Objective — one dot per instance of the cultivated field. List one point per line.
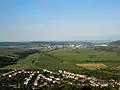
(93, 66)
(67, 59)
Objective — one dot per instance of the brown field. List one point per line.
(92, 66)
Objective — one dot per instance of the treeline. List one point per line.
(5, 61)
(9, 60)
(102, 74)
(26, 53)
(100, 61)
(41, 43)
(108, 48)
(63, 87)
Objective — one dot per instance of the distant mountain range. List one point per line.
(60, 42)
(115, 42)
(41, 42)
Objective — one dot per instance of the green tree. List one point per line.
(118, 52)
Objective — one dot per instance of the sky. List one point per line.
(59, 20)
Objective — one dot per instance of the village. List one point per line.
(25, 79)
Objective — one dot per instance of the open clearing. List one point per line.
(67, 59)
(93, 66)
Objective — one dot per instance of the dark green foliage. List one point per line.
(116, 42)
(92, 56)
(104, 74)
(4, 60)
(26, 53)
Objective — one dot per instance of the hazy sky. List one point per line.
(28, 20)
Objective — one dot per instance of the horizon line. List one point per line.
(59, 41)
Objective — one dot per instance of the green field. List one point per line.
(10, 50)
(66, 59)
(111, 59)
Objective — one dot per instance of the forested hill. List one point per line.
(41, 42)
(115, 42)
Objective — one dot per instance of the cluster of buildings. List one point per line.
(42, 78)
(73, 46)
(100, 45)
